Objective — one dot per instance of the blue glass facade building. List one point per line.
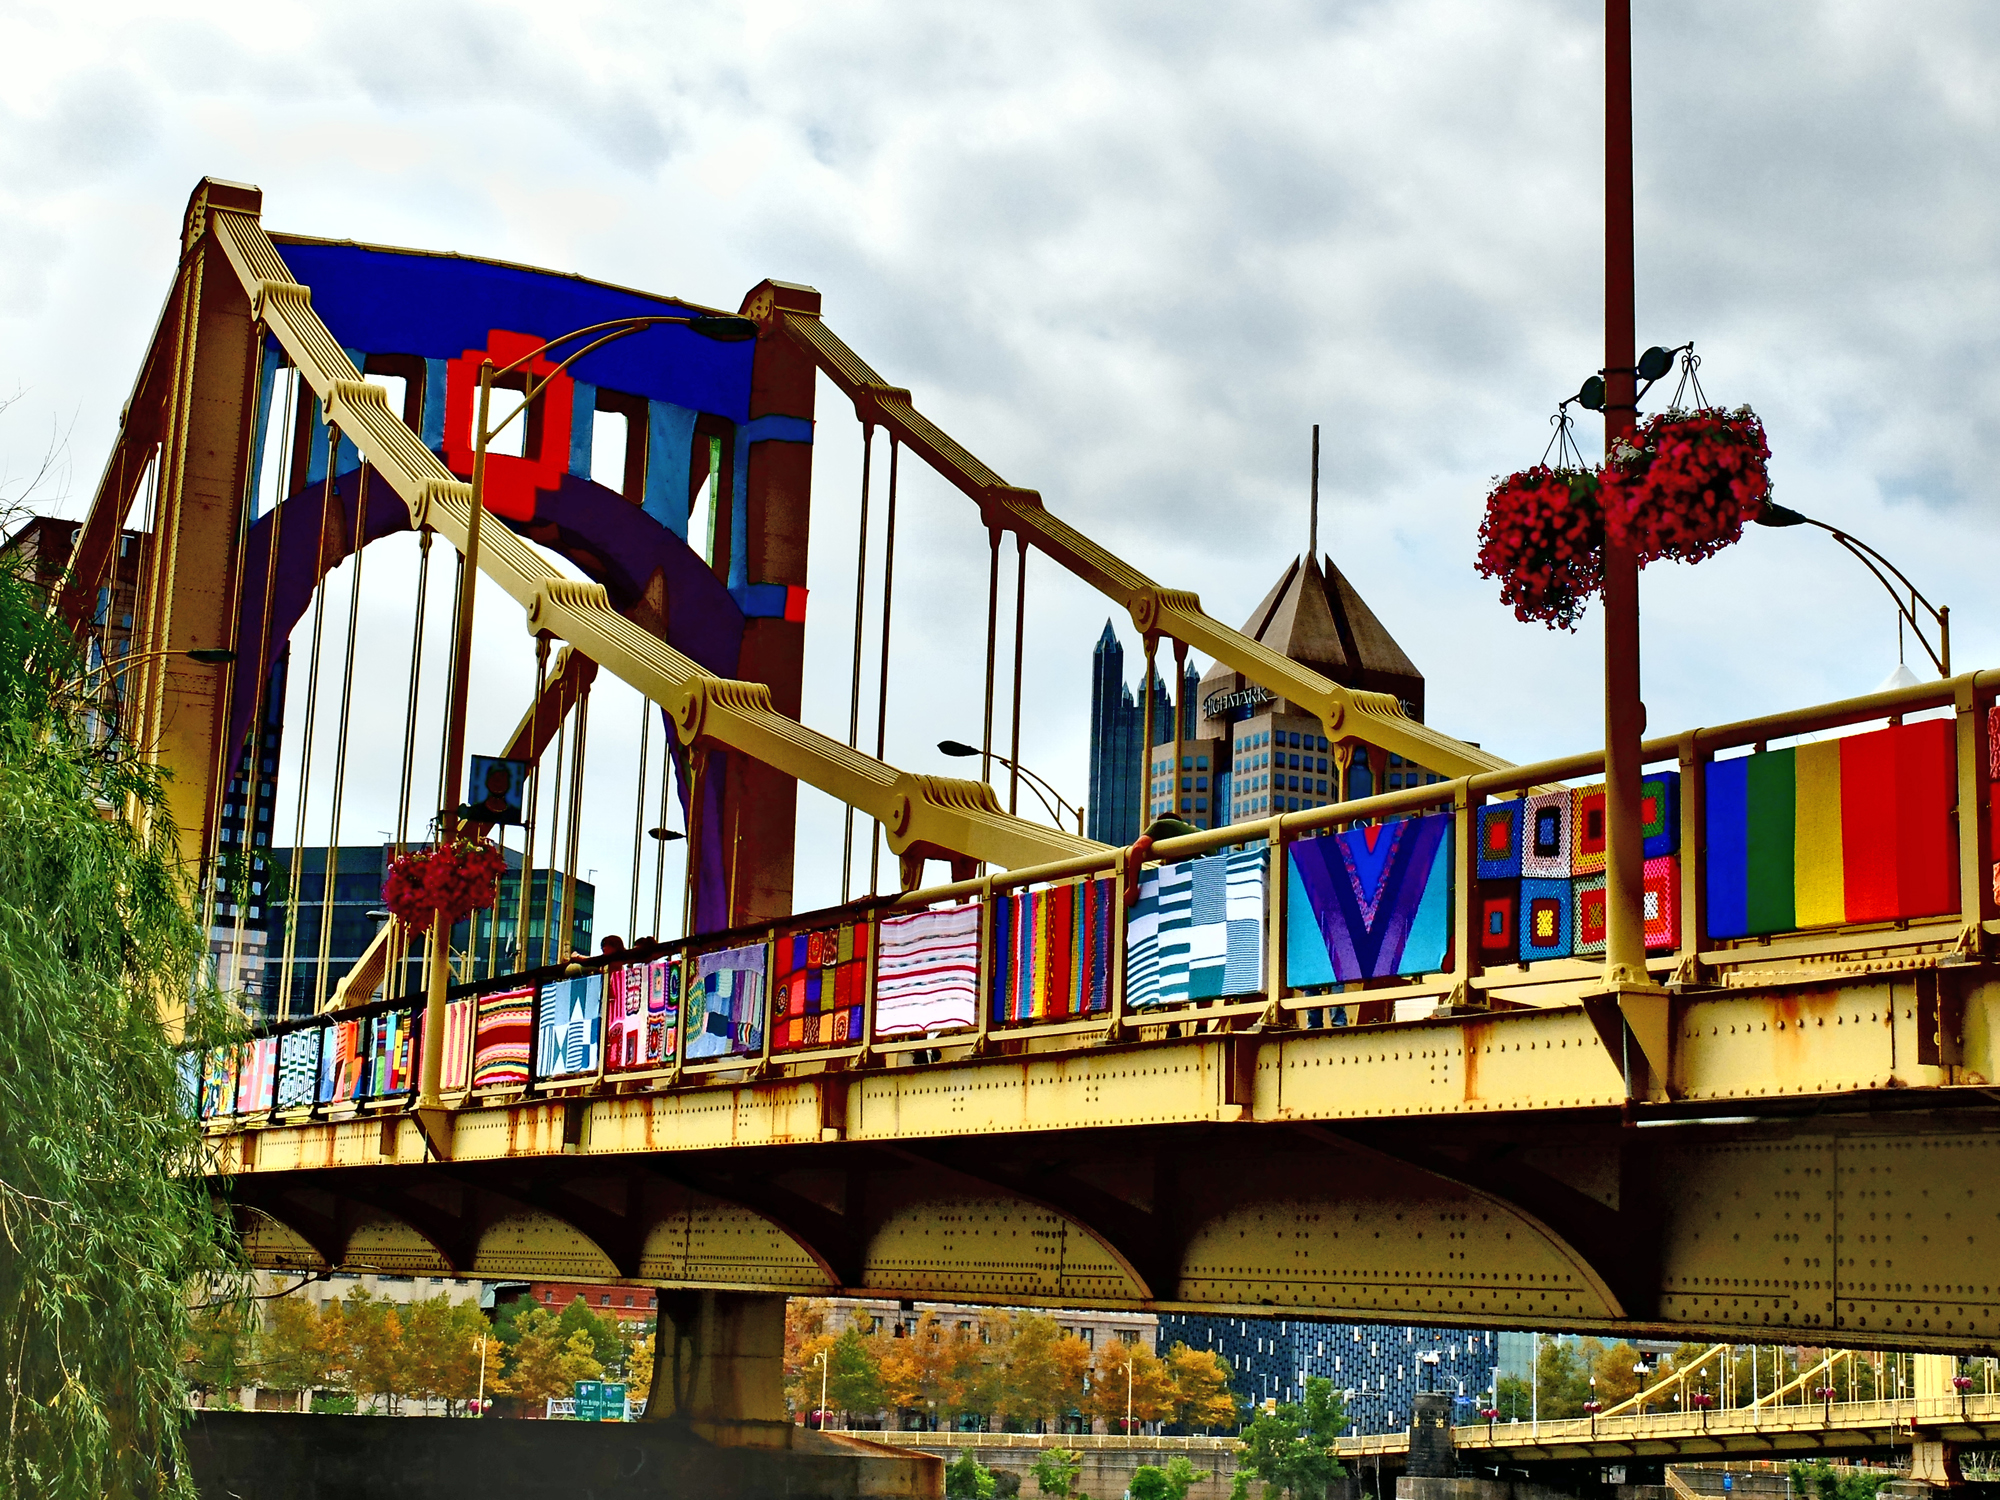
(1118, 741)
(1382, 1366)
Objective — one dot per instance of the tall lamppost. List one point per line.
(723, 329)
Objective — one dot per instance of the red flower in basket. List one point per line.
(456, 879)
(1687, 484)
(1543, 538)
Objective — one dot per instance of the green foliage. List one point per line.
(1290, 1446)
(1056, 1471)
(966, 1478)
(853, 1379)
(108, 1222)
(1820, 1480)
(1170, 1483)
(607, 1341)
(1006, 1484)
(1514, 1399)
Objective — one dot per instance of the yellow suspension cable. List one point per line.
(639, 814)
(306, 747)
(854, 675)
(321, 981)
(261, 701)
(575, 824)
(555, 834)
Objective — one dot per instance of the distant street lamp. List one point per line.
(1875, 562)
(1051, 799)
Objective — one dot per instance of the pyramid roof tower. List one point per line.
(1315, 616)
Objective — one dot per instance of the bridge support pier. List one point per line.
(719, 1366)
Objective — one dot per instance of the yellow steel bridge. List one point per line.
(1791, 1131)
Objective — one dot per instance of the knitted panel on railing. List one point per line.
(1498, 911)
(726, 1004)
(505, 1030)
(1197, 930)
(817, 985)
(340, 1062)
(1662, 900)
(298, 1066)
(1546, 838)
(643, 1009)
(1500, 835)
(459, 1016)
(572, 1027)
(1586, 830)
(1052, 952)
(1370, 902)
(927, 974)
(1588, 921)
(1858, 829)
(1548, 919)
(218, 1082)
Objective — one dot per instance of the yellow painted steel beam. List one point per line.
(923, 816)
(1177, 613)
(1798, 1429)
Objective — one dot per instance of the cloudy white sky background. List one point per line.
(1128, 254)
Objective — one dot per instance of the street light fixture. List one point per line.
(1052, 800)
(207, 656)
(1875, 562)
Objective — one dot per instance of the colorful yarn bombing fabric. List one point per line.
(1586, 831)
(572, 1027)
(625, 1018)
(1545, 839)
(1662, 898)
(1197, 930)
(500, 1043)
(458, 1020)
(387, 1053)
(1851, 830)
(259, 1076)
(1500, 833)
(218, 1082)
(1547, 921)
(1052, 952)
(927, 972)
(298, 1066)
(1588, 919)
(663, 1010)
(817, 987)
(1499, 920)
(338, 1061)
(1371, 902)
(1660, 813)
(726, 1004)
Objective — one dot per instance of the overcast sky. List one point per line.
(1127, 254)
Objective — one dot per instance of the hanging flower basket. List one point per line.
(456, 879)
(1543, 538)
(1687, 484)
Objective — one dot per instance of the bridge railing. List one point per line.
(1894, 1414)
(1484, 892)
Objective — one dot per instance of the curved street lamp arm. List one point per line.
(1875, 562)
(536, 387)
(1042, 789)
